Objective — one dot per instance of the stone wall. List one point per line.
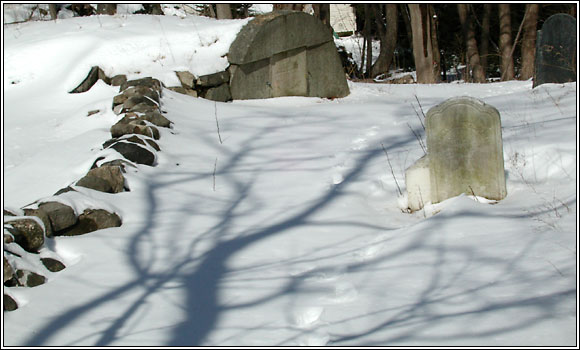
(26, 230)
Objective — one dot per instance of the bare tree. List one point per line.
(106, 9)
(322, 12)
(476, 73)
(421, 18)
(529, 41)
(505, 42)
(388, 38)
(484, 44)
(53, 11)
(223, 11)
(292, 7)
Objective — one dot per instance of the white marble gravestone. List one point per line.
(465, 150)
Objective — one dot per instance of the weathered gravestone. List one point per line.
(556, 51)
(285, 53)
(465, 154)
(465, 150)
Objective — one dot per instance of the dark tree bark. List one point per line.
(388, 38)
(322, 12)
(484, 44)
(475, 72)
(53, 11)
(292, 7)
(106, 9)
(421, 18)
(505, 42)
(529, 41)
(223, 11)
(369, 40)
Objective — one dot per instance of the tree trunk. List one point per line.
(484, 45)
(388, 41)
(369, 40)
(505, 42)
(529, 41)
(472, 55)
(407, 20)
(53, 11)
(322, 12)
(435, 45)
(223, 11)
(291, 7)
(422, 43)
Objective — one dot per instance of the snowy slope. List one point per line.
(291, 231)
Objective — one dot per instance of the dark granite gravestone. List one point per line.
(556, 51)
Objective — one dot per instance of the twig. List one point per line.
(473, 193)
(216, 123)
(214, 170)
(424, 118)
(418, 139)
(392, 172)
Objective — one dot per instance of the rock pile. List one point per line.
(133, 139)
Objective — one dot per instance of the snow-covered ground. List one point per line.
(292, 231)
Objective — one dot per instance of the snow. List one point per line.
(291, 231)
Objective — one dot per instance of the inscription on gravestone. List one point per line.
(556, 51)
(465, 150)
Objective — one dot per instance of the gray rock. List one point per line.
(134, 153)
(148, 82)
(220, 93)
(156, 118)
(92, 220)
(141, 108)
(28, 233)
(184, 91)
(29, 279)
(186, 79)
(94, 75)
(118, 79)
(105, 179)
(61, 216)
(137, 126)
(52, 265)
(8, 270)
(214, 79)
(43, 216)
(9, 303)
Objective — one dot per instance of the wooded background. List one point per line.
(481, 41)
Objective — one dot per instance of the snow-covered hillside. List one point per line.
(292, 231)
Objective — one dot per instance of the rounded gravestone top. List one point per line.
(276, 32)
(462, 101)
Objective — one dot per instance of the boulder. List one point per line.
(43, 216)
(29, 279)
(186, 79)
(140, 108)
(214, 79)
(94, 75)
(105, 179)
(134, 152)
(92, 220)
(133, 126)
(221, 93)
(148, 82)
(27, 233)
(61, 216)
(118, 79)
(9, 303)
(184, 91)
(8, 270)
(52, 265)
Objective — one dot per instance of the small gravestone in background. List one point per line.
(556, 51)
(465, 154)
(465, 150)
